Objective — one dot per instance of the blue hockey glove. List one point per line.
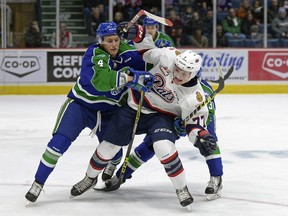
(206, 143)
(162, 43)
(142, 80)
(179, 127)
(135, 32)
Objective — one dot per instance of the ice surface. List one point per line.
(252, 132)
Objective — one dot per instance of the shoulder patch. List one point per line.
(101, 55)
(199, 97)
(177, 52)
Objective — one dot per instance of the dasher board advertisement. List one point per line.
(227, 58)
(21, 66)
(64, 66)
(268, 65)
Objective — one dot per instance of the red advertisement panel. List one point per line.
(268, 65)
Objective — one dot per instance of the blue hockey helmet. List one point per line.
(150, 22)
(106, 29)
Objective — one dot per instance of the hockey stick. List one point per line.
(137, 117)
(159, 19)
(142, 12)
(226, 76)
(212, 96)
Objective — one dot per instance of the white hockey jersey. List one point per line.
(166, 97)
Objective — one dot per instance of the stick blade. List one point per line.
(226, 76)
(159, 19)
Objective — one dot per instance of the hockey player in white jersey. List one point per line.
(177, 82)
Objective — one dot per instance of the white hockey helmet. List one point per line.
(189, 61)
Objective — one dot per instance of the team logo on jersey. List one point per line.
(199, 97)
(165, 70)
(160, 89)
(116, 92)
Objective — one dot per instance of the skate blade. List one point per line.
(100, 186)
(211, 197)
(189, 207)
(27, 203)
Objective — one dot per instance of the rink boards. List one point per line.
(54, 71)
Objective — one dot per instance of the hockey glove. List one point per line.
(179, 127)
(142, 80)
(205, 142)
(135, 32)
(162, 43)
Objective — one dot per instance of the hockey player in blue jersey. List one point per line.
(108, 69)
(159, 38)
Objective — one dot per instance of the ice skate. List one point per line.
(213, 190)
(109, 185)
(82, 186)
(108, 171)
(184, 197)
(33, 192)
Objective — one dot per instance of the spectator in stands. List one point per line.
(232, 26)
(244, 8)
(66, 38)
(280, 24)
(103, 11)
(187, 14)
(285, 5)
(207, 26)
(33, 36)
(155, 10)
(258, 11)
(172, 4)
(247, 23)
(88, 6)
(255, 32)
(192, 23)
(94, 21)
(132, 7)
(224, 5)
(198, 39)
(202, 5)
(117, 2)
(178, 37)
(220, 35)
(175, 32)
(273, 10)
(118, 17)
(204, 8)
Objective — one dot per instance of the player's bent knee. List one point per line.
(59, 143)
(107, 150)
(164, 149)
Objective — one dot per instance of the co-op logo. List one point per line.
(276, 63)
(20, 66)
